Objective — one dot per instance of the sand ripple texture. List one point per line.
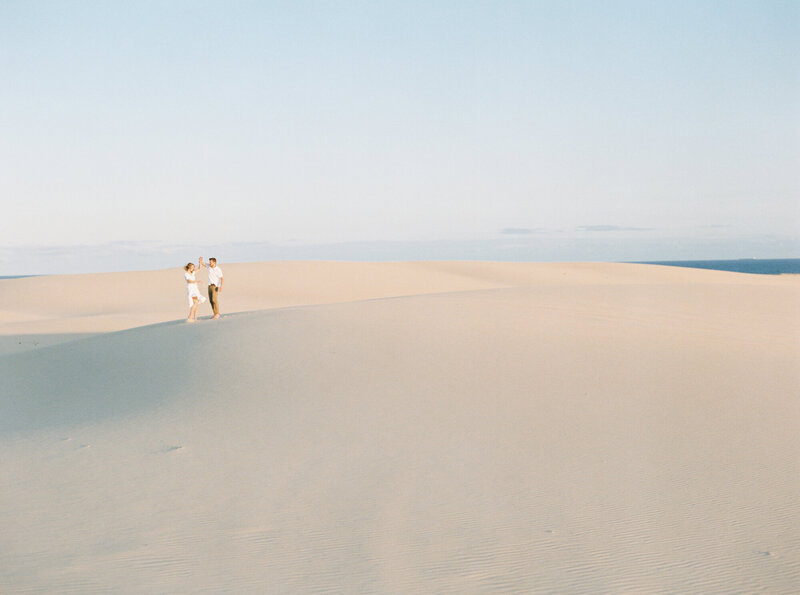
(612, 437)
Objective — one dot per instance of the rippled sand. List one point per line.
(403, 428)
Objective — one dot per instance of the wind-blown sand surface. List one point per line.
(402, 428)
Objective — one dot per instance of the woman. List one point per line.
(194, 295)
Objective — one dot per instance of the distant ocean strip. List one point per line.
(754, 266)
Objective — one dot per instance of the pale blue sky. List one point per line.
(295, 123)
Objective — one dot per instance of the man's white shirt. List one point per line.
(214, 275)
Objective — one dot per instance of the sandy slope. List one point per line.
(496, 428)
(38, 311)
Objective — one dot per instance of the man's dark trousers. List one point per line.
(212, 297)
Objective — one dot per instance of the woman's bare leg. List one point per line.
(193, 310)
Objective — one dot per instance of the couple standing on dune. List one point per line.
(215, 280)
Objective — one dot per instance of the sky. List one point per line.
(132, 133)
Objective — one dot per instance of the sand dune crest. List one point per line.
(593, 434)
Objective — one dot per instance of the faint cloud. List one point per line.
(521, 231)
(612, 228)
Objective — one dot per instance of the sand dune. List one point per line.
(54, 307)
(403, 428)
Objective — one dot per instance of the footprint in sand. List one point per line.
(766, 553)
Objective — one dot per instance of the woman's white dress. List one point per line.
(192, 290)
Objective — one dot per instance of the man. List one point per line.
(215, 281)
